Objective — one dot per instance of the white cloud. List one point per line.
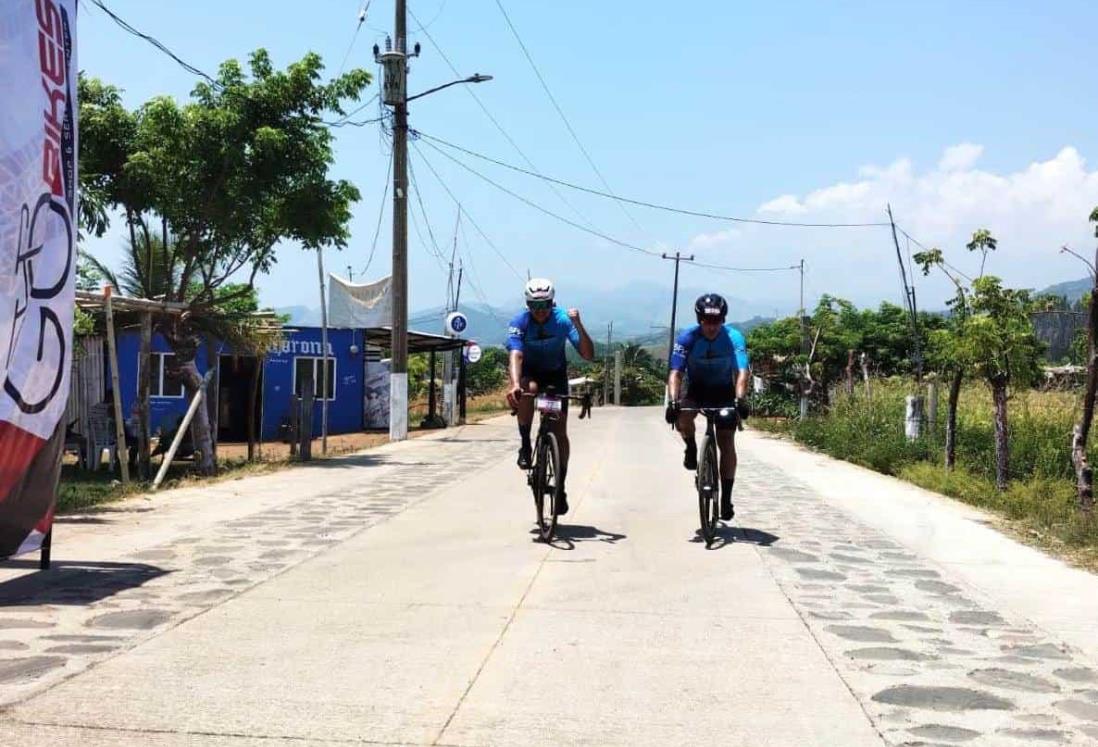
(1032, 211)
(718, 238)
(960, 157)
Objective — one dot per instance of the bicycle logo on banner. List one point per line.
(34, 234)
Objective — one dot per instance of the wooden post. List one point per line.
(143, 386)
(431, 391)
(865, 376)
(181, 432)
(119, 423)
(308, 399)
(932, 405)
(295, 424)
(253, 395)
(47, 547)
(213, 400)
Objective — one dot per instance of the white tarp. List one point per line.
(38, 209)
(360, 305)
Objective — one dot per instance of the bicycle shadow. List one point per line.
(567, 535)
(732, 535)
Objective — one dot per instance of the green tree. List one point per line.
(944, 349)
(211, 187)
(999, 344)
(982, 241)
(489, 373)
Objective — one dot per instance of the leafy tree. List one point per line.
(944, 350)
(983, 242)
(211, 187)
(489, 373)
(999, 344)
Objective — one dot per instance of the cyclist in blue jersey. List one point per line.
(713, 357)
(536, 340)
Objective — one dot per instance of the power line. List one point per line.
(495, 122)
(539, 208)
(924, 247)
(601, 235)
(438, 14)
(202, 74)
(345, 119)
(380, 215)
(354, 36)
(472, 220)
(727, 268)
(155, 42)
(641, 203)
(433, 248)
(361, 123)
(474, 275)
(567, 124)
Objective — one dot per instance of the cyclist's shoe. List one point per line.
(562, 503)
(727, 510)
(690, 457)
(525, 459)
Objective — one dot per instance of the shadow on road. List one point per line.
(729, 535)
(73, 582)
(568, 535)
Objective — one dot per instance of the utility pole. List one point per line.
(398, 385)
(909, 302)
(913, 416)
(606, 371)
(324, 361)
(803, 411)
(395, 94)
(674, 300)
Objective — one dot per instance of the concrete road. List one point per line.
(399, 597)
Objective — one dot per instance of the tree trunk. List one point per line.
(951, 418)
(213, 396)
(850, 373)
(1002, 455)
(200, 425)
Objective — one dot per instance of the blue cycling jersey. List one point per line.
(542, 345)
(710, 365)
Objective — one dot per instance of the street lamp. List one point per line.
(476, 78)
(395, 94)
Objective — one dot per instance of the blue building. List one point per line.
(286, 367)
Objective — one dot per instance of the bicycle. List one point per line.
(708, 477)
(544, 471)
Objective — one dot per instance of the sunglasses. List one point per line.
(539, 305)
(712, 319)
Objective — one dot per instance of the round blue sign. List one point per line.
(456, 323)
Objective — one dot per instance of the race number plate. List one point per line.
(548, 404)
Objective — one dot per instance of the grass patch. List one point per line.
(1039, 503)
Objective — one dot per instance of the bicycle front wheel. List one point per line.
(547, 485)
(709, 486)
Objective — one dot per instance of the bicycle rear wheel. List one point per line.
(709, 486)
(547, 485)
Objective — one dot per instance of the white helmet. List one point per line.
(539, 290)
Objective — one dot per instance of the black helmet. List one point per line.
(711, 304)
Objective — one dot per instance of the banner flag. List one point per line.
(38, 216)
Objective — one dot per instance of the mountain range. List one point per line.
(639, 310)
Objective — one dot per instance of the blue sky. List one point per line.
(963, 115)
